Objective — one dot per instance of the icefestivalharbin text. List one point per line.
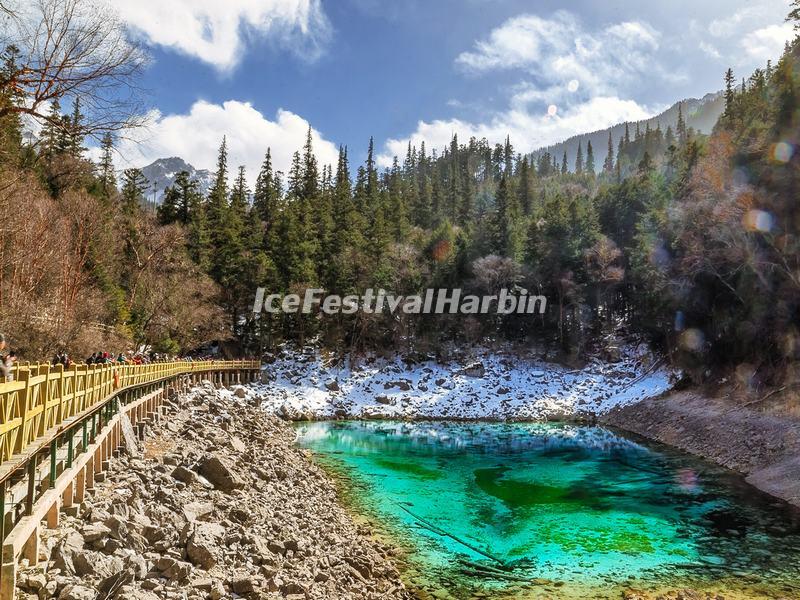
(433, 301)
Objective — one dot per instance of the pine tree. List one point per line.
(53, 138)
(506, 239)
(579, 160)
(454, 180)
(680, 128)
(646, 164)
(564, 164)
(189, 198)
(372, 173)
(729, 94)
(218, 193)
(608, 164)
(398, 211)
(669, 137)
(294, 182)
(310, 186)
(267, 193)
(107, 177)
(167, 212)
(347, 220)
(199, 236)
(794, 14)
(508, 156)
(525, 187)
(466, 206)
(589, 158)
(219, 218)
(134, 187)
(240, 201)
(75, 135)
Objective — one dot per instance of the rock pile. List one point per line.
(223, 505)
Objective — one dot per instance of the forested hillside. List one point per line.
(698, 114)
(687, 238)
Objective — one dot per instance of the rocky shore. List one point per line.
(764, 448)
(503, 383)
(217, 503)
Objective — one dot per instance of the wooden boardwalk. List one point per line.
(59, 427)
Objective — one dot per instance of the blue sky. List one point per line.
(261, 71)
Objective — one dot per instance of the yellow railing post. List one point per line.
(24, 376)
(43, 393)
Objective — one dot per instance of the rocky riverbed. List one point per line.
(218, 503)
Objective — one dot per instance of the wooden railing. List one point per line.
(42, 397)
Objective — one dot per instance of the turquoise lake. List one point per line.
(583, 510)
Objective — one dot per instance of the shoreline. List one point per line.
(763, 448)
(773, 478)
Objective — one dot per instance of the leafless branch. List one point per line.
(73, 49)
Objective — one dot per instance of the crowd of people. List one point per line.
(8, 359)
(132, 358)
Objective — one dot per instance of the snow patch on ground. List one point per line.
(492, 385)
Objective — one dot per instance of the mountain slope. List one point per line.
(700, 114)
(161, 174)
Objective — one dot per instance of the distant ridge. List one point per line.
(700, 114)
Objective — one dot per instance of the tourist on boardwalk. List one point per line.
(4, 372)
(61, 358)
(8, 364)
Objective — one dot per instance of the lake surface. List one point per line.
(583, 510)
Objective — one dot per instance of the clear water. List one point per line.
(584, 511)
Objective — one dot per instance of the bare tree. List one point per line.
(71, 49)
(492, 273)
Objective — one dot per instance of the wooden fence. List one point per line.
(42, 397)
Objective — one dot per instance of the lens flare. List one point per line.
(782, 152)
(758, 220)
(552, 110)
(573, 85)
(692, 340)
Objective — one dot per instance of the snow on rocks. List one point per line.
(485, 385)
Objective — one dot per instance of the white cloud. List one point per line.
(216, 31)
(728, 26)
(709, 49)
(559, 49)
(767, 43)
(196, 136)
(528, 130)
(582, 73)
(750, 36)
